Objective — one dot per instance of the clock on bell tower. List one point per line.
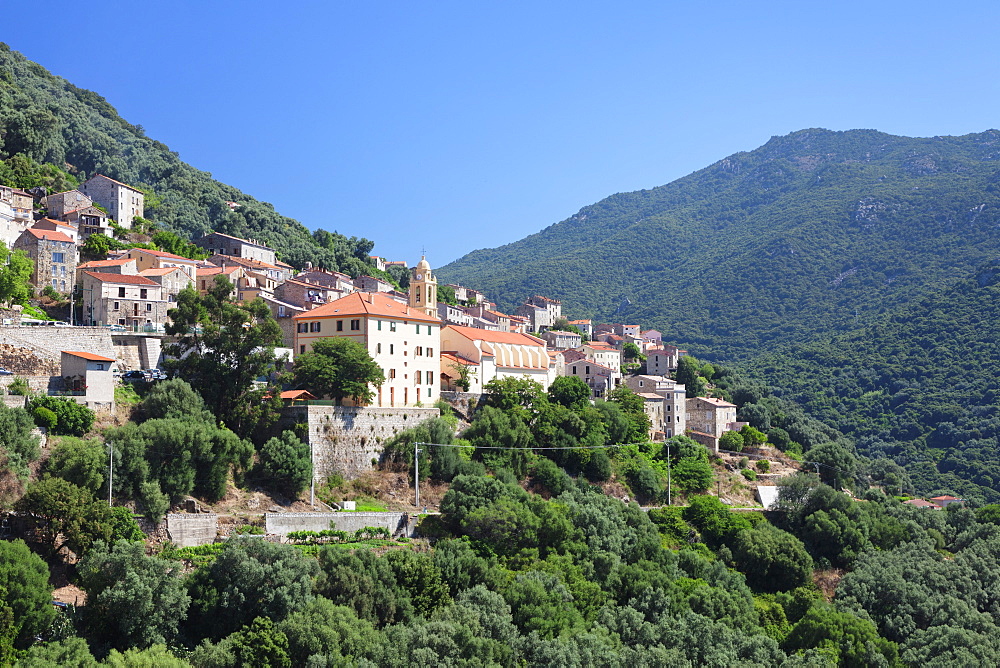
(423, 288)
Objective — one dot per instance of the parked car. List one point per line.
(57, 323)
(135, 374)
(118, 328)
(4, 372)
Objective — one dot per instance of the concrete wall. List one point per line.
(188, 530)
(281, 524)
(345, 439)
(49, 342)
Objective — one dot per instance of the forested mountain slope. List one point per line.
(49, 121)
(807, 235)
(920, 386)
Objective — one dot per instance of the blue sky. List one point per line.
(453, 126)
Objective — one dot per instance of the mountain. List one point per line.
(808, 236)
(918, 387)
(65, 134)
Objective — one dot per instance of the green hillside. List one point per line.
(919, 387)
(49, 126)
(810, 234)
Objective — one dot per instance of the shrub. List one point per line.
(18, 386)
(45, 418)
(764, 466)
(51, 293)
(72, 419)
(749, 474)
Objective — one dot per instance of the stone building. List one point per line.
(55, 257)
(217, 243)
(59, 204)
(205, 277)
(540, 311)
(57, 226)
(171, 279)
(118, 299)
(672, 415)
(307, 295)
(708, 418)
(372, 284)
(122, 202)
(599, 378)
(154, 259)
(558, 340)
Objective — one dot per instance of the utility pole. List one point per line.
(416, 474)
(312, 476)
(111, 469)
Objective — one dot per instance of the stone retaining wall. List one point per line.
(398, 524)
(347, 439)
(189, 529)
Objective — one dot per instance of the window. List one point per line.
(121, 292)
(302, 349)
(419, 351)
(392, 326)
(416, 377)
(340, 325)
(378, 348)
(314, 326)
(121, 321)
(392, 373)
(429, 392)
(58, 258)
(355, 325)
(149, 307)
(418, 329)
(587, 371)
(117, 306)
(392, 349)
(55, 284)
(100, 366)
(143, 293)
(430, 352)
(301, 327)
(379, 325)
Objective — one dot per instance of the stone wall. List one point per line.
(189, 530)
(398, 524)
(346, 439)
(48, 342)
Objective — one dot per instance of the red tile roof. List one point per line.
(56, 222)
(120, 278)
(297, 394)
(368, 303)
(103, 263)
(48, 235)
(89, 356)
(161, 271)
(490, 336)
(169, 256)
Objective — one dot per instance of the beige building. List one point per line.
(403, 341)
(600, 378)
(89, 378)
(153, 259)
(217, 243)
(602, 353)
(497, 354)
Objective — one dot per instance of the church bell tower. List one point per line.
(423, 288)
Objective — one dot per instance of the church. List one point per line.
(404, 339)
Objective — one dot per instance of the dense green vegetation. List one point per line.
(918, 387)
(56, 135)
(804, 236)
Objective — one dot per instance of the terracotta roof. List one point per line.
(48, 235)
(120, 278)
(368, 303)
(649, 396)
(89, 356)
(946, 497)
(920, 503)
(455, 357)
(103, 263)
(590, 363)
(113, 181)
(297, 394)
(55, 222)
(162, 271)
(490, 336)
(579, 322)
(554, 301)
(719, 403)
(283, 264)
(169, 256)
(572, 356)
(600, 345)
(213, 271)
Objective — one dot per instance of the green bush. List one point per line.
(45, 418)
(18, 386)
(72, 419)
(764, 466)
(749, 474)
